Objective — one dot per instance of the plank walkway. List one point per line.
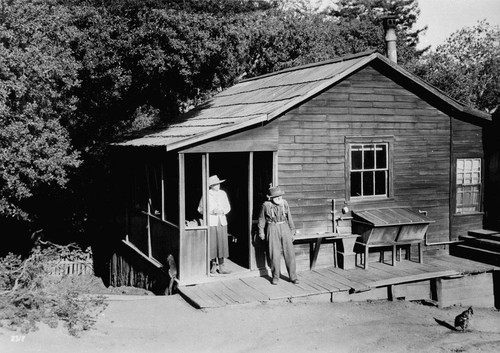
(328, 280)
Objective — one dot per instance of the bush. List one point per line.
(29, 294)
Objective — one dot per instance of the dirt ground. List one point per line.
(168, 324)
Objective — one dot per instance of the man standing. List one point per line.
(218, 207)
(275, 223)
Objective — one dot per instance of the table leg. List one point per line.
(335, 261)
(316, 252)
(366, 257)
(394, 255)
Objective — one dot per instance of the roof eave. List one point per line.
(455, 105)
(214, 133)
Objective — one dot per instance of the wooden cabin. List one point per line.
(357, 133)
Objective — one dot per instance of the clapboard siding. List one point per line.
(312, 150)
(467, 143)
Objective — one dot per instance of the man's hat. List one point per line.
(275, 191)
(214, 180)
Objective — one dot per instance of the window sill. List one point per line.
(468, 214)
(369, 200)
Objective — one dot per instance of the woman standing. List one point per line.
(218, 207)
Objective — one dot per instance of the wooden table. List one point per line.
(348, 241)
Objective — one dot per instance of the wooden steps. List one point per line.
(330, 283)
(480, 245)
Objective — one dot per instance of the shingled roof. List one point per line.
(263, 98)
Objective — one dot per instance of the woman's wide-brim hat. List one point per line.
(275, 191)
(214, 180)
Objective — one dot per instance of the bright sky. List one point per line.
(444, 17)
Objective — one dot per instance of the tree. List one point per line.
(283, 39)
(467, 66)
(372, 11)
(37, 75)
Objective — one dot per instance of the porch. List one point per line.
(447, 280)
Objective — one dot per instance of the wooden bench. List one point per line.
(367, 247)
(396, 255)
(348, 241)
(390, 227)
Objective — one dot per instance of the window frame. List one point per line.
(456, 186)
(366, 140)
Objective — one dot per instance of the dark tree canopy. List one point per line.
(75, 74)
(37, 76)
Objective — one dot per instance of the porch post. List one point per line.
(250, 209)
(204, 177)
(162, 174)
(182, 210)
(149, 211)
(275, 168)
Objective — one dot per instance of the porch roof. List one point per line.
(257, 100)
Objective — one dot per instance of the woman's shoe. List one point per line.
(223, 270)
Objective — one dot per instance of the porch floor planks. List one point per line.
(296, 290)
(333, 279)
(192, 295)
(265, 287)
(462, 265)
(327, 280)
(201, 298)
(321, 281)
(234, 295)
(407, 275)
(217, 291)
(243, 288)
(361, 275)
(306, 280)
(238, 295)
(380, 271)
(307, 285)
(343, 277)
(413, 268)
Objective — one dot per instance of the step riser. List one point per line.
(484, 234)
(477, 243)
(476, 254)
(494, 237)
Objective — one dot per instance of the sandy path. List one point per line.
(168, 324)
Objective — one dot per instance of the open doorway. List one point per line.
(245, 248)
(233, 168)
(245, 196)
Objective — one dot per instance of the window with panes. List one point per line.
(369, 170)
(468, 185)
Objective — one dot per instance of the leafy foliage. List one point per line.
(37, 74)
(29, 295)
(467, 66)
(372, 11)
(75, 74)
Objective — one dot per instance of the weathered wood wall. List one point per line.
(467, 142)
(312, 150)
(127, 268)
